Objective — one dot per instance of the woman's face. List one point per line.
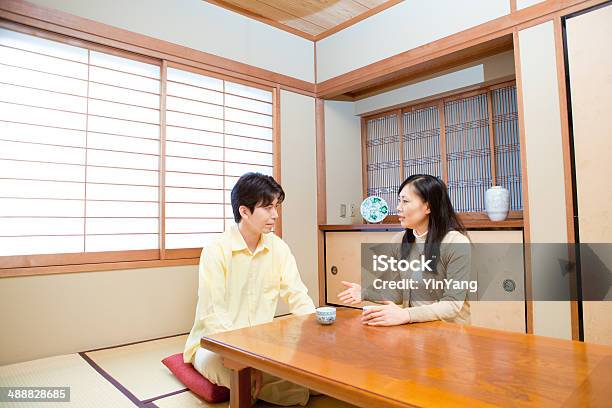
(411, 209)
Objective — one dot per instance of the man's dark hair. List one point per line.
(255, 189)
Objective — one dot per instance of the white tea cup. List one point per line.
(326, 314)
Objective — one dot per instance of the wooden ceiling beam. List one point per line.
(453, 48)
(444, 63)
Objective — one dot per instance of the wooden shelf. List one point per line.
(469, 224)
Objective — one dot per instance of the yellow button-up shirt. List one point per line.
(239, 288)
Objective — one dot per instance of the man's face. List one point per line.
(262, 219)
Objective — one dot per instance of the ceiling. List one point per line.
(311, 19)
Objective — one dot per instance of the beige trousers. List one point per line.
(273, 389)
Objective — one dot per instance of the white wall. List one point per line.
(402, 27)
(204, 27)
(342, 161)
(545, 174)
(49, 315)
(299, 180)
(521, 4)
(486, 69)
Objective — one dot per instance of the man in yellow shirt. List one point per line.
(242, 275)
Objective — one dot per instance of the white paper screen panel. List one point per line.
(216, 131)
(79, 149)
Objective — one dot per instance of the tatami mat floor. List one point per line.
(87, 387)
(124, 376)
(138, 366)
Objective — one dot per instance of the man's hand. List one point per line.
(256, 381)
(388, 314)
(352, 295)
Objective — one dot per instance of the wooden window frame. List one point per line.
(514, 217)
(44, 264)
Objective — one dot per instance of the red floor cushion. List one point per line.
(195, 381)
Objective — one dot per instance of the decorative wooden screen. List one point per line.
(421, 137)
(383, 155)
(507, 143)
(468, 152)
(471, 141)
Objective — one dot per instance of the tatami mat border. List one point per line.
(134, 342)
(164, 396)
(111, 380)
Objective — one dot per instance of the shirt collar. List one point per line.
(420, 238)
(238, 243)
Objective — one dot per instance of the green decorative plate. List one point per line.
(374, 209)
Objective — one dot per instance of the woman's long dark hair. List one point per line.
(442, 216)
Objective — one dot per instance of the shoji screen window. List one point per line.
(79, 153)
(216, 130)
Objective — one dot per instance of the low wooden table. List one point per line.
(424, 364)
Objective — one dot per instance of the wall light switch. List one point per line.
(342, 210)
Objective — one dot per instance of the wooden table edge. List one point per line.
(342, 391)
(238, 357)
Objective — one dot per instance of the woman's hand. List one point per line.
(388, 314)
(352, 295)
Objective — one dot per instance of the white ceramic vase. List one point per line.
(497, 203)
